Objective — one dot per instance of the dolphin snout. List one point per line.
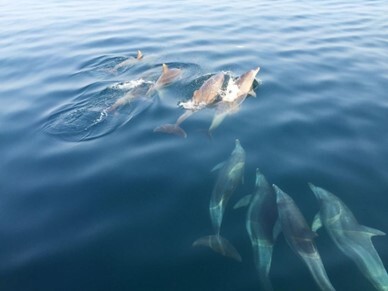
(238, 144)
(260, 179)
(279, 193)
(315, 190)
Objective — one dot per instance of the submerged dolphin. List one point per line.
(128, 62)
(203, 97)
(353, 239)
(167, 77)
(261, 218)
(300, 238)
(230, 175)
(135, 93)
(235, 95)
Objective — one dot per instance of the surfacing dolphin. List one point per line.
(206, 95)
(260, 224)
(353, 239)
(135, 93)
(128, 62)
(300, 238)
(167, 77)
(230, 175)
(234, 96)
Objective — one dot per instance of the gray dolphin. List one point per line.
(230, 175)
(353, 239)
(260, 224)
(135, 93)
(167, 77)
(236, 93)
(203, 97)
(126, 99)
(300, 238)
(128, 62)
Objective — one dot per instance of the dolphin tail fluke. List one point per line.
(220, 245)
(263, 259)
(318, 272)
(171, 129)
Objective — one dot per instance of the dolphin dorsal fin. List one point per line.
(252, 93)
(317, 222)
(243, 202)
(165, 68)
(139, 55)
(218, 166)
(370, 231)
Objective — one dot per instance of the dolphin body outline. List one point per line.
(230, 175)
(166, 78)
(232, 104)
(260, 223)
(353, 239)
(206, 95)
(128, 62)
(301, 238)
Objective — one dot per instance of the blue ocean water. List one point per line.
(95, 203)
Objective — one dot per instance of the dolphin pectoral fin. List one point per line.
(277, 229)
(171, 129)
(217, 120)
(243, 202)
(317, 222)
(252, 93)
(220, 245)
(309, 234)
(370, 231)
(218, 166)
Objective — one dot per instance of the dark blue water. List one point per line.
(95, 203)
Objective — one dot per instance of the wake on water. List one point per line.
(89, 118)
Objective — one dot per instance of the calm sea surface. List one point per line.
(97, 201)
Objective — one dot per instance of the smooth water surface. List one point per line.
(96, 201)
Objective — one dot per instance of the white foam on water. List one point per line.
(129, 84)
(230, 93)
(190, 105)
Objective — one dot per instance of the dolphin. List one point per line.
(126, 99)
(300, 238)
(261, 219)
(230, 175)
(128, 62)
(206, 95)
(235, 95)
(135, 93)
(353, 239)
(167, 77)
